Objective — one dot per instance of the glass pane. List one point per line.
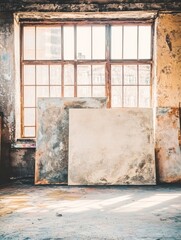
(116, 96)
(83, 74)
(29, 96)
(68, 43)
(130, 96)
(69, 75)
(29, 75)
(98, 91)
(144, 96)
(98, 42)
(29, 131)
(130, 42)
(48, 43)
(42, 92)
(144, 74)
(55, 91)
(29, 116)
(55, 74)
(116, 75)
(68, 91)
(84, 42)
(144, 42)
(98, 72)
(130, 75)
(42, 75)
(29, 43)
(84, 91)
(116, 42)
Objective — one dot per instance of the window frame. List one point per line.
(108, 62)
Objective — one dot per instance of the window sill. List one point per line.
(24, 143)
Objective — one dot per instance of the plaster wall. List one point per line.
(168, 95)
(7, 89)
(168, 66)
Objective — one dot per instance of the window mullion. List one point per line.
(108, 65)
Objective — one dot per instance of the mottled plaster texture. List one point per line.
(111, 147)
(7, 88)
(52, 136)
(169, 60)
(168, 156)
(22, 163)
(168, 151)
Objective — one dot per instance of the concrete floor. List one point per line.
(61, 212)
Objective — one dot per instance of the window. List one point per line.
(91, 60)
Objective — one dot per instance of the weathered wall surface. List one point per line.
(168, 79)
(111, 146)
(168, 152)
(7, 87)
(169, 60)
(53, 136)
(88, 5)
(22, 163)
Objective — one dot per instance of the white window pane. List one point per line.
(98, 91)
(130, 74)
(130, 42)
(42, 75)
(68, 91)
(84, 42)
(55, 91)
(144, 74)
(83, 74)
(144, 42)
(130, 96)
(98, 42)
(29, 96)
(29, 131)
(144, 96)
(29, 75)
(29, 43)
(84, 91)
(116, 96)
(48, 43)
(116, 75)
(68, 74)
(98, 72)
(116, 42)
(29, 116)
(68, 43)
(55, 74)
(42, 91)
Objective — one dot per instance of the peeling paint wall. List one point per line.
(6, 87)
(167, 80)
(168, 152)
(167, 145)
(88, 5)
(169, 60)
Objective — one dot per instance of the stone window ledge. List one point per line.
(24, 143)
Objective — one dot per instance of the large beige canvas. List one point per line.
(111, 147)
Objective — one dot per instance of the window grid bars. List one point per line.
(108, 63)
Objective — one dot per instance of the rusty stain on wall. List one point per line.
(169, 60)
(168, 152)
